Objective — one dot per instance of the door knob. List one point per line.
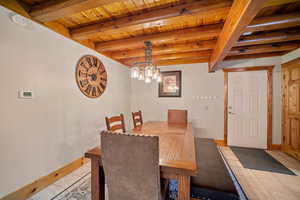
(231, 113)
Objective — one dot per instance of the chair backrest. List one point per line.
(131, 166)
(137, 118)
(177, 116)
(113, 126)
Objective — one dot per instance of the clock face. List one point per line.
(91, 76)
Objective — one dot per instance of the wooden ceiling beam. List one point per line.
(270, 3)
(264, 48)
(207, 32)
(251, 56)
(274, 22)
(16, 6)
(181, 61)
(195, 54)
(269, 38)
(205, 9)
(260, 24)
(53, 10)
(241, 14)
(205, 60)
(164, 49)
(236, 51)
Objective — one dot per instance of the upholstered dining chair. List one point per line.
(137, 118)
(131, 166)
(177, 116)
(115, 123)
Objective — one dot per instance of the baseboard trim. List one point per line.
(39, 184)
(275, 147)
(220, 142)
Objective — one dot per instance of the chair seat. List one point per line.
(213, 174)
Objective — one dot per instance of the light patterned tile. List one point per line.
(68, 180)
(48, 193)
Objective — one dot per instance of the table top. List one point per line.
(176, 146)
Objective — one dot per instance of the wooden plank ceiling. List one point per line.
(181, 31)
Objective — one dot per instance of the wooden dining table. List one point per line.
(177, 158)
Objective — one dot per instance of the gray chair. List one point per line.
(131, 166)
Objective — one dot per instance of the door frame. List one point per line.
(269, 70)
(285, 148)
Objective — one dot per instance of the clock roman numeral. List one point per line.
(102, 86)
(83, 65)
(88, 59)
(88, 89)
(82, 73)
(94, 93)
(95, 61)
(84, 82)
(98, 89)
(102, 72)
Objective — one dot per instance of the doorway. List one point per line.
(248, 107)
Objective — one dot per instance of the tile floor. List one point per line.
(262, 185)
(62, 184)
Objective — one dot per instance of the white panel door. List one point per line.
(247, 109)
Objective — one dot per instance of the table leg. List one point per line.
(183, 187)
(97, 180)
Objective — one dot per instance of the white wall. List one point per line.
(40, 135)
(207, 116)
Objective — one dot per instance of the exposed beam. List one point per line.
(164, 49)
(209, 44)
(260, 24)
(261, 55)
(271, 37)
(274, 22)
(269, 3)
(205, 9)
(52, 10)
(207, 32)
(194, 55)
(181, 61)
(236, 51)
(16, 6)
(241, 14)
(205, 60)
(264, 48)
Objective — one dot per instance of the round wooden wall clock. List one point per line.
(91, 76)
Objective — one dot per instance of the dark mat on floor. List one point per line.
(258, 159)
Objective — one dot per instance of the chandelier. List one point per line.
(146, 71)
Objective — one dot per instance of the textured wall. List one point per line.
(40, 135)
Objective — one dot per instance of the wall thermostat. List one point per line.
(25, 94)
